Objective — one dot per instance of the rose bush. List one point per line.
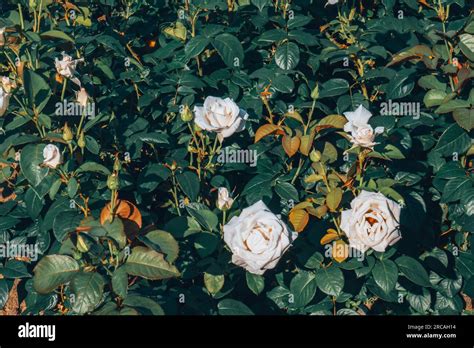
(236, 157)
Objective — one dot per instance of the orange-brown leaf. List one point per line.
(299, 218)
(125, 210)
(265, 130)
(290, 145)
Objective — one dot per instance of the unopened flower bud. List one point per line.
(67, 134)
(113, 182)
(187, 114)
(117, 164)
(81, 142)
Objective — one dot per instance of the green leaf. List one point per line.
(213, 282)
(420, 302)
(452, 105)
(233, 307)
(287, 56)
(330, 280)
(205, 243)
(466, 43)
(166, 242)
(333, 87)
(53, 271)
(385, 273)
(464, 118)
(66, 222)
(255, 282)
(120, 282)
(453, 140)
(230, 49)
(144, 304)
(196, 45)
(303, 287)
(287, 191)
(189, 183)
(34, 203)
(93, 167)
(455, 189)
(205, 217)
(56, 34)
(37, 90)
(155, 138)
(413, 270)
(116, 231)
(88, 289)
(149, 264)
(434, 97)
(30, 159)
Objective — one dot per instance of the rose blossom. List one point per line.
(362, 133)
(2, 36)
(224, 201)
(82, 97)
(52, 156)
(372, 222)
(67, 67)
(257, 238)
(222, 116)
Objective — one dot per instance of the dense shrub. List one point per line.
(220, 157)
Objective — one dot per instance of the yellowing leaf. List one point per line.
(177, 31)
(313, 178)
(303, 205)
(340, 251)
(290, 145)
(328, 238)
(306, 144)
(299, 219)
(334, 121)
(295, 115)
(333, 198)
(265, 130)
(319, 212)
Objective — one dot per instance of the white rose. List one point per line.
(331, 2)
(2, 36)
(52, 156)
(224, 201)
(4, 101)
(222, 116)
(67, 67)
(8, 84)
(362, 133)
(373, 222)
(257, 238)
(82, 97)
